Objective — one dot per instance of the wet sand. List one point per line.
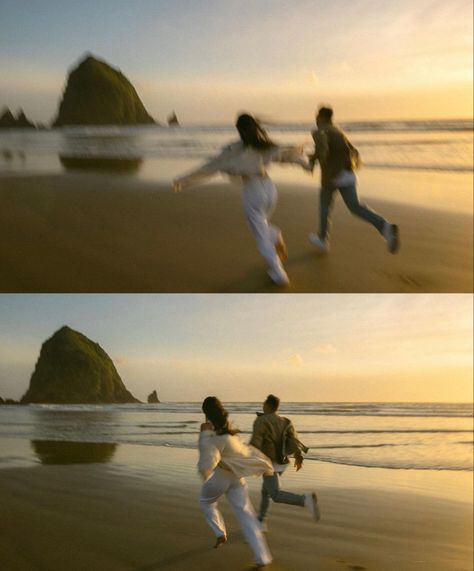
(138, 517)
(106, 233)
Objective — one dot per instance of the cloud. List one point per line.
(325, 349)
(296, 360)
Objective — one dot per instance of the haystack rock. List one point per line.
(98, 94)
(72, 369)
(153, 398)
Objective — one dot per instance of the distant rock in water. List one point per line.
(153, 398)
(72, 369)
(97, 94)
(8, 121)
(173, 120)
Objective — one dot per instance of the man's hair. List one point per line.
(273, 402)
(325, 113)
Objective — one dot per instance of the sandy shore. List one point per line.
(106, 517)
(101, 233)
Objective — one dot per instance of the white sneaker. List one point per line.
(311, 504)
(391, 235)
(321, 245)
(279, 277)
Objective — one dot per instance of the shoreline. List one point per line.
(101, 233)
(142, 514)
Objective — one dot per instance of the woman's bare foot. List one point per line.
(281, 249)
(220, 541)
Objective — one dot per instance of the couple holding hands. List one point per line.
(225, 461)
(249, 159)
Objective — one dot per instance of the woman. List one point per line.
(224, 461)
(249, 159)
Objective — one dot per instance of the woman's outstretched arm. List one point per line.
(292, 155)
(202, 173)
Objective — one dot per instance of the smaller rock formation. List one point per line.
(173, 120)
(8, 401)
(153, 398)
(8, 121)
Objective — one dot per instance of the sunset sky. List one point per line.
(302, 347)
(208, 59)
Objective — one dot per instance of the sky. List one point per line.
(361, 348)
(208, 59)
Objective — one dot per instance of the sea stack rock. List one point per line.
(8, 121)
(98, 94)
(173, 120)
(153, 398)
(72, 369)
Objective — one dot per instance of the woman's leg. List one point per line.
(238, 496)
(259, 199)
(211, 491)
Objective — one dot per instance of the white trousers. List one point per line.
(259, 198)
(225, 482)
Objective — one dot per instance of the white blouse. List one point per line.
(242, 459)
(243, 161)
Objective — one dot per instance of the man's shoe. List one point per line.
(220, 541)
(279, 277)
(391, 235)
(321, 245)
(311, 504)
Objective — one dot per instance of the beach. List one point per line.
(140, 512)
(92, 232)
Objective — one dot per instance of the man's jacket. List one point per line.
(276, 437)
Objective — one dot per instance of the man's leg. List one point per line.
(272, 486)
(351, 200)
(264, 502)
(326, 200)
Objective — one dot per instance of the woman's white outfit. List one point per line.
(259, 195)
(224, 461)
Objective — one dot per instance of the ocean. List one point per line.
(409, 436)
(162, 153)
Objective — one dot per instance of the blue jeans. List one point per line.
(351, 200)
(271, 490)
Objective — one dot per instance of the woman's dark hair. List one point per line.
(252, 133)
(218, 416)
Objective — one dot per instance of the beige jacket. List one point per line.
(276, 437)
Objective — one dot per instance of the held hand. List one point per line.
(206, 426)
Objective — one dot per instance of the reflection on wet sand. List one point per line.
(66, 452)
(100, 151)
(101, 163)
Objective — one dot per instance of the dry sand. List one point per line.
(95, 518)
(105, 233)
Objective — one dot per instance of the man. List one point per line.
(338, 158)
(276, 437)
